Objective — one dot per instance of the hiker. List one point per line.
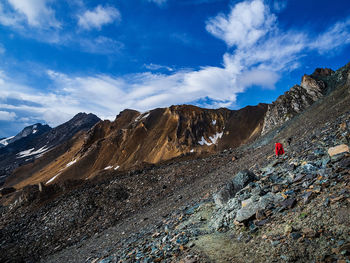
(279, 149)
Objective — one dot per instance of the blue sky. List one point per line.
(58, 57)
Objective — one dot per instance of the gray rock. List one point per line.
(250, 206)
(225, 215)
(241, 179)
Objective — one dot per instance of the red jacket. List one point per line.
(279, 149)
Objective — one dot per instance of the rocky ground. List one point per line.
(293, 209)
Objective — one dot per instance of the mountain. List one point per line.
(29, 132)
(136, 139)
(217, 205)
(35, 140)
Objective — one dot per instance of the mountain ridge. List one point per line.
(33, 141)
(135, 139)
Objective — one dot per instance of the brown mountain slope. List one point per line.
(134, 139)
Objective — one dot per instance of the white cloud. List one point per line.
(336, 36)
(7, 116)
(145, 90)
(247, 22)
(98, 17)
(8, 18)
(155, 67)
(36, 13)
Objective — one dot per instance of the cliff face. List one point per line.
(299, 97)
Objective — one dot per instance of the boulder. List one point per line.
(241, 179)
(252, 205)
(338, 149)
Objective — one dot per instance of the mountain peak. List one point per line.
(322, 72)
(36, 129)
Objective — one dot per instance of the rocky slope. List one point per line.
(33, 141)
(299, 97)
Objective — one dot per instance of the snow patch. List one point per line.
(31, 152)
(203, 141)
(53, 178)
(142, 116)
(213, 139)
(35, 131)
(71, 163)
(192, 151)
(108, 167)
(5, 141)
(116, 168)
(217, 136)
(213, 122)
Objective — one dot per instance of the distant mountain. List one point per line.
(33, 141)
(31, 131)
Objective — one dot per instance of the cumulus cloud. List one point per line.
(244, 25)
(98, 17)
(36, 13)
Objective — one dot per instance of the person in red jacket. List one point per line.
(279, 149)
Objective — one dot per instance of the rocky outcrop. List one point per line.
(231, 188)
(312, 88)
(296, 100)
